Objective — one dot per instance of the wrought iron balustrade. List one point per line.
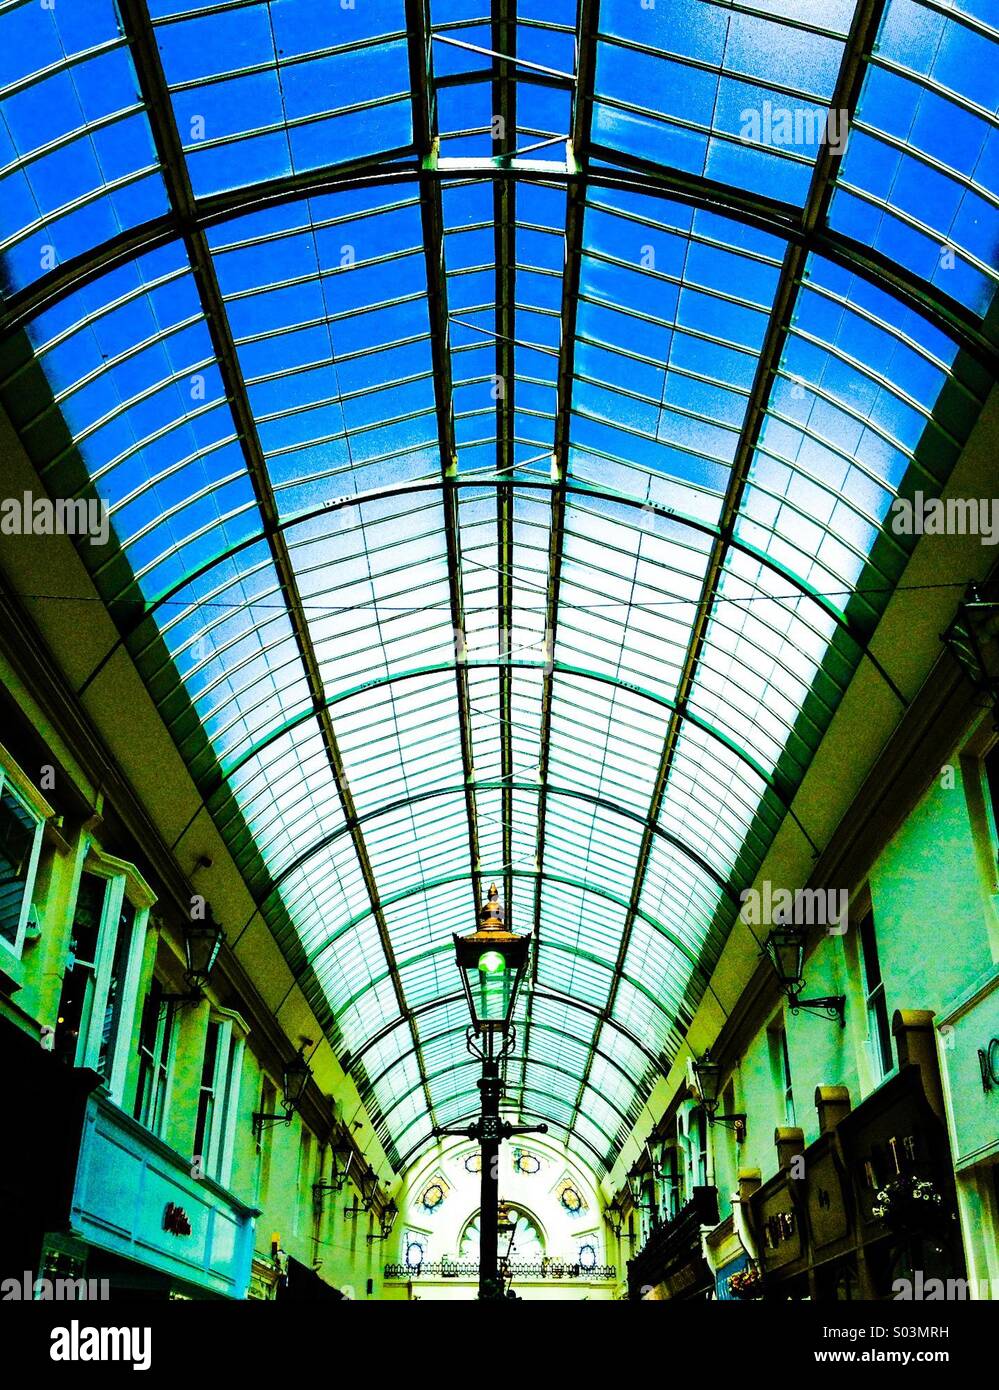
(672, 1242)
(469, 1269)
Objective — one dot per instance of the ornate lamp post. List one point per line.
(492, 962)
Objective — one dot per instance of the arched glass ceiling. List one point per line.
(499, 435)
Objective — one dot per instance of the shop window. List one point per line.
(780, 1065)
(990, 771)
(20, 846)
(268, 1103)
(207, 1092)
(218, 1097)
(672, 1182)
(878, 1025)
(100, 982)
(304, 1183)
(156, 1042)
(703, 1160)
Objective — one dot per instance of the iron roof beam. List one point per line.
(166, 136)
(504, 144)
(582, 112)
(461, 1031)
(127, 627)
(472, 1091)
(784, 793)
(604, 803)
(549, 995)
(443, 948)
(432, 216)
(866, 20)
(632, 175)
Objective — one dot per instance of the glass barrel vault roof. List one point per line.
(499, 431)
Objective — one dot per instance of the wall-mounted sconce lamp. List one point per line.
(614, 1216)
(708, 1076)
(388, 1220)
(342, 1161)
(973, 637)
(202, 943)
(369, 1189)
(785, 948)
(295, 1080)
(637, 1179)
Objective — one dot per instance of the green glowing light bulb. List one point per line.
(492, 963)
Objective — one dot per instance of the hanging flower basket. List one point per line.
(911, 1204)
(746, 1283)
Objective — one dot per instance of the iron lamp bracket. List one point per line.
(262, 1118)
(823, 1006)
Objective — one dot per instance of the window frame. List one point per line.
(123, 881)
(163, 1056)
(780, 1067)
(879, 1039)
(26, 795)
(991, 800)
(672, 1171)
(983, 820)
(217, 1156)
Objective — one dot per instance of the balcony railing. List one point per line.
(672, 1242)
(469, 1269)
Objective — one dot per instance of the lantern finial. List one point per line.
(491, 911)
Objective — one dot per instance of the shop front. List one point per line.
(968, 1037)
(38, 1157)
(145, 1223)
(868, 1210)
(828, 1221)
(897, 1156)
(671, 1264)
(780, 1227)
(735, 1273)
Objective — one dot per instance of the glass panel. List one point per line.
(580, 625)
(278, 88)
(918, 181)
(77, 160)
(17, 841)
(727, 93)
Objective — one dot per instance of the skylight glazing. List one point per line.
(499, 455)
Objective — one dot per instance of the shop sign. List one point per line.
(827, 1214)
(683, 1280)
(969, 1054)
(176, 1220)
(137, 1198)
(988, 1060)
(779, 1227)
